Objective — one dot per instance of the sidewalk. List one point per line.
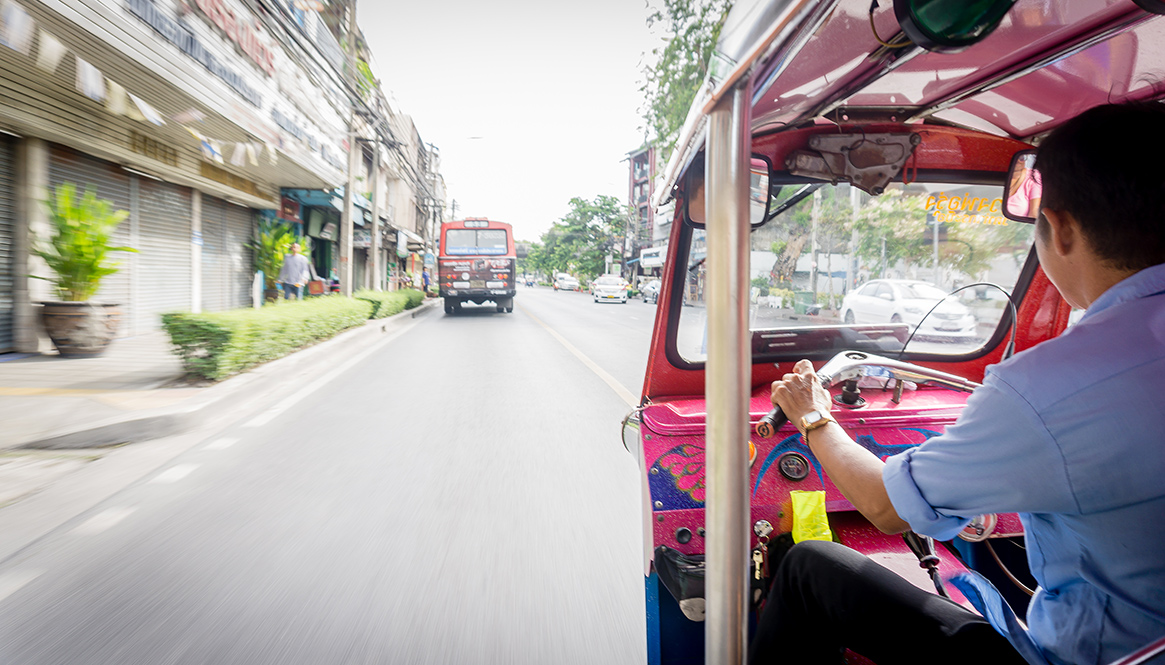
(134, 392)
(44, 393)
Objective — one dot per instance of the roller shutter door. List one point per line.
(214, 255)
(239, 228)
(113, 183)
(226, 257)
(7, 250)
(163, 264)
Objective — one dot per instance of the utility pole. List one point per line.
(851, 273)
(377, 270)
(354, 150)
(453, 210)
(813, 244)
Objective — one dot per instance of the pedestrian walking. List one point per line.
(296, 272)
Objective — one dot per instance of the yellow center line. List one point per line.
(623, 393)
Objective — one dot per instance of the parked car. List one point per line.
(565, 283)
(650, 291)
(907, 301)
(609, 287)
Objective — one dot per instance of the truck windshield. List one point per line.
(474, 242)
(841, 269)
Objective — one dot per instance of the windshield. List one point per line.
(609, 280)
(841, 269)
(475, 242)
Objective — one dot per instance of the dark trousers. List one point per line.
(827, 598)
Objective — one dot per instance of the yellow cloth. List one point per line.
(810, 521)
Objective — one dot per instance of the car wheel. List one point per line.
(849, 316)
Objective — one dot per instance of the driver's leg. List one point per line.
(827, 597)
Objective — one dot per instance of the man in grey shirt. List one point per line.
(296, 272)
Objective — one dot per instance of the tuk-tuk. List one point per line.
(842, 194)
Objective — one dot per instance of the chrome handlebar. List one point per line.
(855, 364)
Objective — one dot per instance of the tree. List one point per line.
(680, 65)
(582, 240)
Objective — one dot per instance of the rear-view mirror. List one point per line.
(1023, 189)
(758, 191)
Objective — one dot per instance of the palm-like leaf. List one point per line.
(79, 246)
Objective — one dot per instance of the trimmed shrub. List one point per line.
(387, 303)
(219, 344)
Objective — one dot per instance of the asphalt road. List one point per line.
(460, 495)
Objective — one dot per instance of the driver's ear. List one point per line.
(1063, 232)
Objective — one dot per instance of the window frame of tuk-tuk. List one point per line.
(783, 178)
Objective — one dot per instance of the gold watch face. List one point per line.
(811, 417)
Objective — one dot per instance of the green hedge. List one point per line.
(387, 303)
(219, 344)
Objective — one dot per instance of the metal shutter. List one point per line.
(111, 182)
(214, 255)
(163, 265)
(239, 227)
(226, 255)
(7, 255)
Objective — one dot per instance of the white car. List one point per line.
(609, 288)
(565, 283)
(907, 301)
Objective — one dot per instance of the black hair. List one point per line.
(1106, 167)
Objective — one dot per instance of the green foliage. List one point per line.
(387, 303)
(580, 242)
(79, 246)
(219, 344)
(786, 296)
(692, 28)
(273, 243)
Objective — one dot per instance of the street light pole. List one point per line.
(354, 150)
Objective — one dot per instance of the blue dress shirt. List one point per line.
(1071, 435)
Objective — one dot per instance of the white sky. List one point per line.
(550, 87)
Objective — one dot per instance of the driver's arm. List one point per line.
(853, 469)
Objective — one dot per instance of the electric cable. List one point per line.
(1008, 351)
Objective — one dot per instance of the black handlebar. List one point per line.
(771, 422)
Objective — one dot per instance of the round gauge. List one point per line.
(980, 528)
(793, 466)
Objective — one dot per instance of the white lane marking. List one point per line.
(103, 520)
(221, 444)
(14, 581)
(173, 474)
(611, 381)
(277, 410)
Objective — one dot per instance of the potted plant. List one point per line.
(273, 242)
(78, 252)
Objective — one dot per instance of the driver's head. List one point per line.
(1106, 167)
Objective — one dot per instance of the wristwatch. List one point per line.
(812, 420)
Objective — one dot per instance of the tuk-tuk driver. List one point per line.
(1070, 434)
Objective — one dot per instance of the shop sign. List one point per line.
(430, 260)
(328, 232)
(224, 177)
(289, 209)
(144, 145)
(241, 31)
(177, 34)
(402, 248)
(362, 239)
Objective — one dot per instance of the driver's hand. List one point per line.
(800, 392)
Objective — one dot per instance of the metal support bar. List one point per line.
(727, 379)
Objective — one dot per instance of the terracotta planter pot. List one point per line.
(80, 329)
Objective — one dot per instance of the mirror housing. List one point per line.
(759, 197)
(630, 432)
(1022, 190)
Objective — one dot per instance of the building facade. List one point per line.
(198, 117)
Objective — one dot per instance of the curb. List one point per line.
(167, 421)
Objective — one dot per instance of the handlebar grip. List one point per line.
(771, 422)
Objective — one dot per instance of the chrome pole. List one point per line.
(726, 384)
